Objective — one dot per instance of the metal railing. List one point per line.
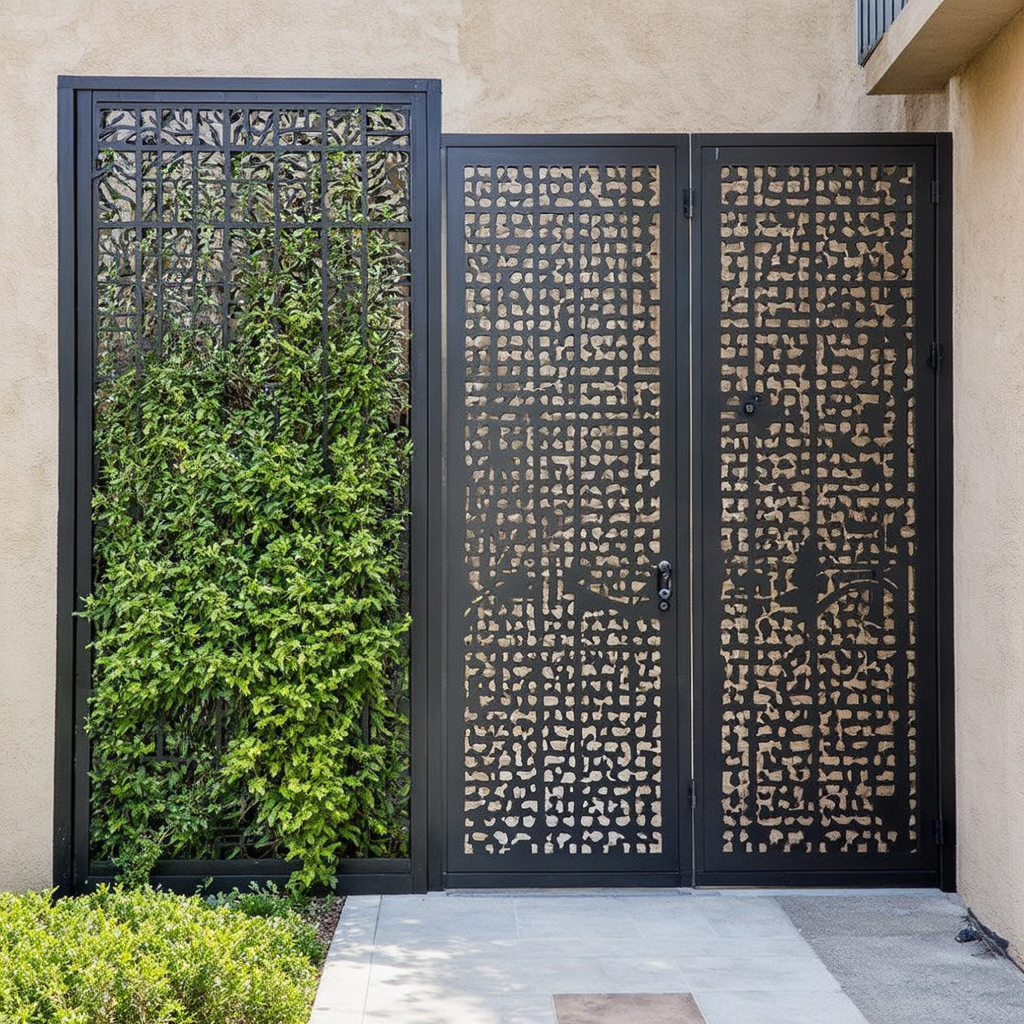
(873, 20)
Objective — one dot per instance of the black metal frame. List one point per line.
(933, 153)
(444, 719)
(945, 354)
(75, 100)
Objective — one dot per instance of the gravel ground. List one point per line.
(896, 958)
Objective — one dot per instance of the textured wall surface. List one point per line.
(534, 65)
(987, 118)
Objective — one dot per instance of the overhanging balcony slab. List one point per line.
(931, 39)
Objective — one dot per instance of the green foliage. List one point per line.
(268, 901)
(128, 957)
(261, 901)
(247, 611)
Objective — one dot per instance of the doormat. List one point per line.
(627, 1008)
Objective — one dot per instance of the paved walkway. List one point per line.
(500, 957)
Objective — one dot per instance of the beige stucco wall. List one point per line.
(531, 65)
(987, 118)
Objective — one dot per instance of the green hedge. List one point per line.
(146, 957)
(248, 605)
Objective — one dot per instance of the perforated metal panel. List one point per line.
(819, 676)
(562, 446)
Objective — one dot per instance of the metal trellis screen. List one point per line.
(266, 246)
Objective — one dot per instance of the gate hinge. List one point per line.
(935, 356)
(693, 795)
(939, 832)
(688, 203)
(935, 193)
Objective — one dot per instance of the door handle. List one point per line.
(664, 578)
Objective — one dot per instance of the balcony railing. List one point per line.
(873, 20)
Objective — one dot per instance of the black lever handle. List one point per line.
(664, 570)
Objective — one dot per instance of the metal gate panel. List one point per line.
(562, 440)
(138, 158)
(818, 677)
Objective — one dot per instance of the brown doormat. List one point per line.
(627, 1008)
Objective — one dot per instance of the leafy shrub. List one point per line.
(147, 957)
(247, 609)
(261, 901)
(268, 901)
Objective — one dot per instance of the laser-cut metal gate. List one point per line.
(818, 690)
(820, 535)
(562, 670)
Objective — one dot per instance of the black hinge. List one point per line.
(938, 832)
(688, 203)
(693, 795)
(935, 193)
(935, 356)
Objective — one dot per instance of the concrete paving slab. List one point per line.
(746, 917)
(450, 958)
(416, 918)
(459, 1008)
(763, 973)
(566, 918)
(476, 973)
(664, 943)
(344, 985)
(774, 1007)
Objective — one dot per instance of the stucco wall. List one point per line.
(987, 118)
(532, 65)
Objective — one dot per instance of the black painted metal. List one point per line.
(432, 717)
(873, 20)
(822, 637)
(946, 695)
(565, 684)
(63, 804)
(427, 469)
(372, 875)
(398, 135)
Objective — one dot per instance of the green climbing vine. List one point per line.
(248, 604)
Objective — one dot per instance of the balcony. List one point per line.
(909, 46)
(873, 20)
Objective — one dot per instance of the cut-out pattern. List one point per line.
(818, 531)
(561, 491)
(179, 189)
